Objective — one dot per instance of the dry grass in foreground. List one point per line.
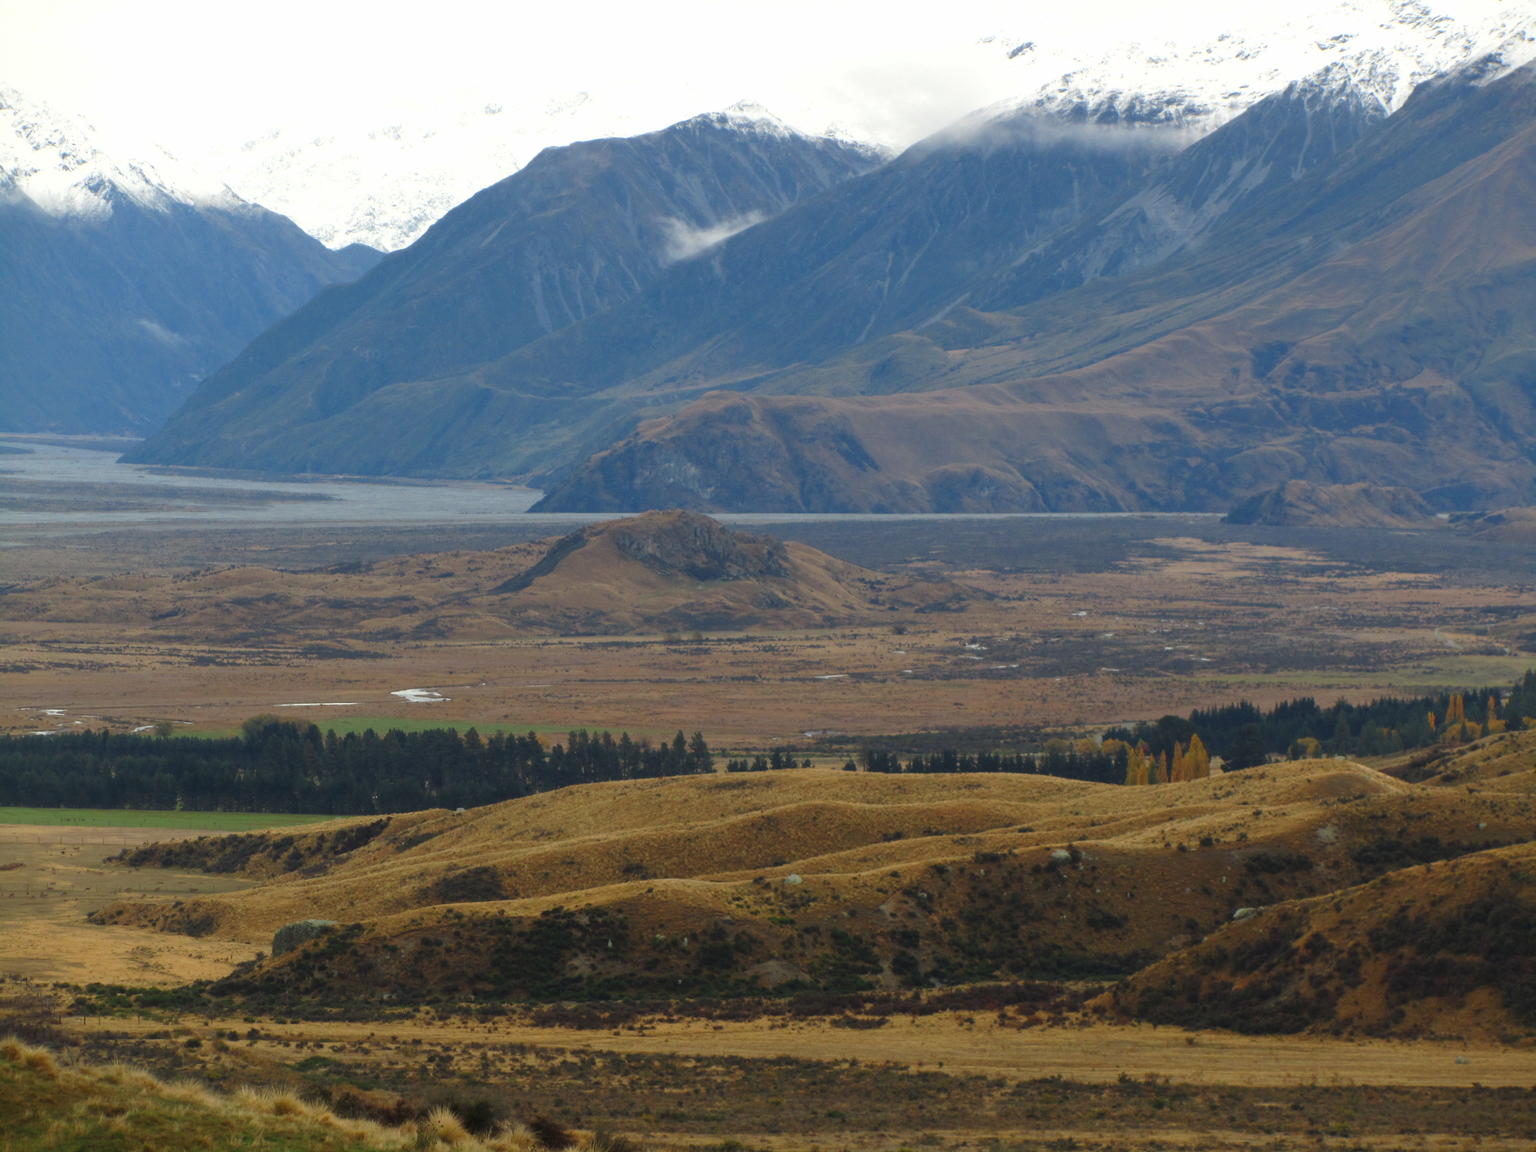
(52, 877)
(68, 1107)
(731, 1102)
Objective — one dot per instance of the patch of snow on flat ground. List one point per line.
(421, 695)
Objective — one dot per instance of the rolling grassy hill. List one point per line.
(834, 880)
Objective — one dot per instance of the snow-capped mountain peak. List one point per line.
(385, 186)
(749, 116)
(61, 164)
(1384, 48)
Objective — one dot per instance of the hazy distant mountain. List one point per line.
(126, 281)
(385, 184)
(384, 374)
(773, 308)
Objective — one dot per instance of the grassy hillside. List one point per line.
(810, 878)
(1442, 949)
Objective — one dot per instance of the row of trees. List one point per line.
(1071, 759)
(279, 766)
(1243, 734)
(1179, 748)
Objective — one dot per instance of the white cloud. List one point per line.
(684, 241)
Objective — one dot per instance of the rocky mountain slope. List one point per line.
(128, 281)
(386, 375)
(1362, 322)
(1074, 302)
(868, 259)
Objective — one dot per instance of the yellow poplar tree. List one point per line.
(1138, 770)
(1197, 759)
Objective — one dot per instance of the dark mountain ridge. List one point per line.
(112, 320)
(350, 383)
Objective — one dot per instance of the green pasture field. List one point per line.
(140, 818)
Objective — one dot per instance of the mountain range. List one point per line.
(576, 233)
(383, 177)
(1367, 319)
(1064, 304)
(127, 282)
(1109, 293)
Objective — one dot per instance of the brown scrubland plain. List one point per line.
(1318, 954)
(1157, 625)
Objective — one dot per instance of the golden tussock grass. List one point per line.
(704, 839)
(679, 857)
(51, 1104)
(1439, 950)
(444, 1126)
(48, 1104)
(39, 1061)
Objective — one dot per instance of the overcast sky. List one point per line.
(189, 72)
(183, 70)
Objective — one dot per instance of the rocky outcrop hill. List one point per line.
(662, 571)
(1301, 504)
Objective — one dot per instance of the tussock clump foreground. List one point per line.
(50, 1103)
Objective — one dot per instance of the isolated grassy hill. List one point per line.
(655, 572)
(826, 879)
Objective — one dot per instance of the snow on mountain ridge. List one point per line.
(1384, 47)
(351, 186)
(62, 165)
(384, 184)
